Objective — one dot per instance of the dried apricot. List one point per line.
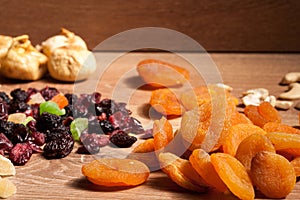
(272, 174)
(145, 147)
(195, 97)
(239, 118)
(262, 114)
(233, 174)
(158, 73)
(165, 101)
(201, 162)
(181, 172)
(60, 100)
(278, 127)
(116, 172)
(286, 142)
(296, 164)
(252, 145)
(237, 134)
(162, 133)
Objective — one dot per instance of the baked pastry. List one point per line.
(21, 60)
(69, 58)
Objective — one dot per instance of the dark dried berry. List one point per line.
(31, 91)
(5, 143)
(59, 148)
(35, 148)
(48, 121)
(3, 111)
(31, 125)
(18, 106)
(94, 126)
(20, 154)
(18, 134)
(4, 97)
(6, 127)
(106, 126)
(122, 139)
(48, 93)
(19, 95)
(72, 98)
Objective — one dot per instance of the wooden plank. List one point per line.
(62, 179)
(232, 25)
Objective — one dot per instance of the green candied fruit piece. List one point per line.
(77, 126)
(28, 119)
(52, 108)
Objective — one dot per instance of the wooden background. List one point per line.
(230, 26)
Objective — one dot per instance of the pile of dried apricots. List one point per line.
(216, 147)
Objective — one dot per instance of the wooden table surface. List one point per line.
(62, 179)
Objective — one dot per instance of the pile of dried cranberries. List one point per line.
(49, 122)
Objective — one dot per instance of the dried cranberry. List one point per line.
(38, 138)
(92, 143)
(31, 91)
(20, 154)
(5, 143)
(19, 95)
(122, 139)
(31, 125)
(49, 92)
(35, 148)
(59, 148)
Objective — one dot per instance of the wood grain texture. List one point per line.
(232, 25)
(62, 179)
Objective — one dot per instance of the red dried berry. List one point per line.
(5, 143)
(20, 154)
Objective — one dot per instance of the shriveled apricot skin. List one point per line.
(201, 162)
(252, 145)
(165, 101)
(296, 165)
(272, 174)
(278, 127)
(162, 133)
(116, 172)
(233, 174)
(181, 172)
(158, 73)
(237, 134)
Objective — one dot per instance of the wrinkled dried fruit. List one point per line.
(7, 188)
(116, 172)
(181, 172)
(122, 139)
(237, 134)
(145, 147)
(158, 73)
(272, 174)
(233, 174)
(201, 162)
(278, 127)
(195, 97)
(166, 102)
(250, 146)
(296, 165)
(162, 133)
(286, 142)
(262, 114)
(20, 154)
(6, 167)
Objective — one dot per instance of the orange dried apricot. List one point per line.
(252, 145)
(239, 118)
(272, 174)
(158, 73)
(116, 172)
(201, 162)
(165, 101)
(278, 127)
(195, 97)
(233, 174)
(60, 100)
(262, 114)
(145, 147)
(296, 164)
(162, 133)
(237, 134)
(181, 172)
(286, 142)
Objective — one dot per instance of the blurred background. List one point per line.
(219, 26)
